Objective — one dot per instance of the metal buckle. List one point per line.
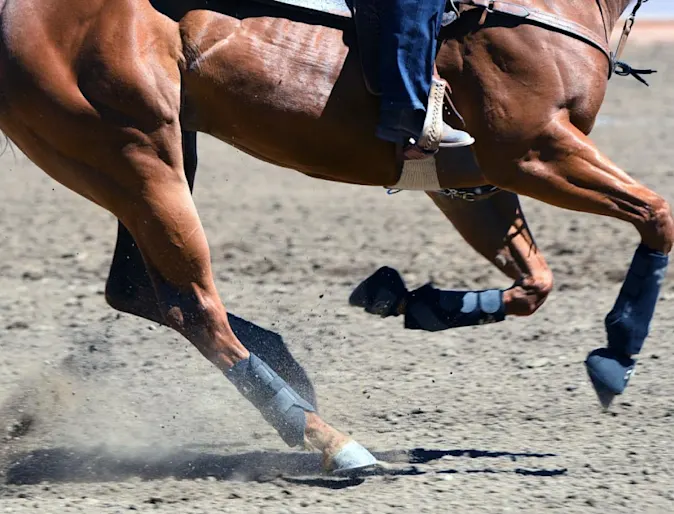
(457, 194)
(472, 194)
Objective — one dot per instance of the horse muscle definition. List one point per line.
(106, 96)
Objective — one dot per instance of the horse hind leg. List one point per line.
(564, 168)
(129, 289)
(164, 222)
(144, 186)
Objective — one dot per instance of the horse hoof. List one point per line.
(609, 374)
(381, 293)
(352, 459)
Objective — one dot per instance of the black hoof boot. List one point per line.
(381, 293)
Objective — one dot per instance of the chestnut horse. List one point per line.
(106, 96)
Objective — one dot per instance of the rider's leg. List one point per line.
(409, 30)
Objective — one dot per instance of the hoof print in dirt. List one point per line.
(381, 293)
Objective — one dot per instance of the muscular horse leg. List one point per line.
(564, 168)
(114, 137)
(129, 289)
(150, 196)
(496, 228)
(162, 218)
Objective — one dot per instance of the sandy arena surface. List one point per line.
(128, 417)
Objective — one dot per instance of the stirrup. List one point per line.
(433, 131)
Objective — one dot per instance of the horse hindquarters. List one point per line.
(103, 119)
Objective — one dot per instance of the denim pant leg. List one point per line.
(409, 29)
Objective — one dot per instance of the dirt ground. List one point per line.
(126, 416)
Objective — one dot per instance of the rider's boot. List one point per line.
(435, 133)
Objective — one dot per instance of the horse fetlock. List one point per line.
(341, 454)
(319, 435)
(351, 459)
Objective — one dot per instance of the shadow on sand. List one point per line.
(102, 465)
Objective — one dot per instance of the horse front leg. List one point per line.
(129, 289)
(496, 228)
(564, 168)
(160, 214)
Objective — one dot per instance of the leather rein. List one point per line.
(565, 26)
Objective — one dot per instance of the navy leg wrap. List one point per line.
(433, 309)
(628, 323)
(278, 403)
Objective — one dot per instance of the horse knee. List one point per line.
(657, 225)
(529, 295)
(199, 315)
(188, 313)
(538, 289)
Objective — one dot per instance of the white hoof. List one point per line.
(352, 458)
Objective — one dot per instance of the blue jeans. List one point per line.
(409, 30)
